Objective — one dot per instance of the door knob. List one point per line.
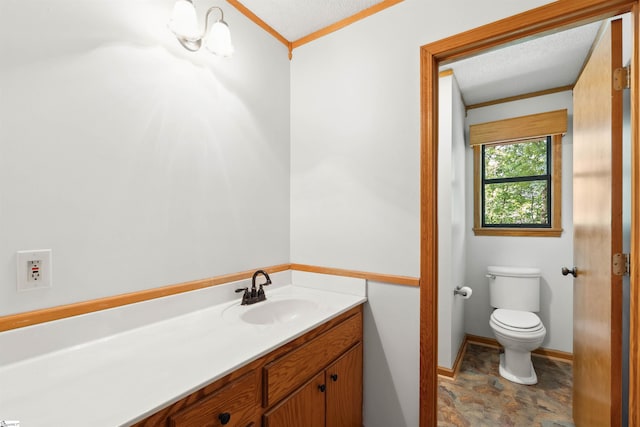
(573, 271)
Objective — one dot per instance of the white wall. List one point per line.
(355, 134)
(355, 160)
(549, 254)
(138, 163)
(391, 355)
(451, 220)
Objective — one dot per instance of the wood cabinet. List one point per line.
(312, 381)
(344, 390)
(235, 405)
(305, 407)
(288, 372)
(333, 398)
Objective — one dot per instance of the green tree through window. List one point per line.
(516, 184)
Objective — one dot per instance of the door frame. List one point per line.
(559, 15)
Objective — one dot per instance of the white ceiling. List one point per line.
(294, 19)
(544, 63)
(538, 64)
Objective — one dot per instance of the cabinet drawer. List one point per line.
(234, 405)
(287, 373)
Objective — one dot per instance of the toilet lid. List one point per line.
(516, 319)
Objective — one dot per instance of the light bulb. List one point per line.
(184, 22)
(219, 39)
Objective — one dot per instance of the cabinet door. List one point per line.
(344, 390)
(304, 408)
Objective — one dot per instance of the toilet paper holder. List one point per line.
(459, 291)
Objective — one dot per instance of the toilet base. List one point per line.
(529, 378)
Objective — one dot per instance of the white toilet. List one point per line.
(515, 294)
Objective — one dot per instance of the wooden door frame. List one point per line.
(561, 14)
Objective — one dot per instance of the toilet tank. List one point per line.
(514, 288)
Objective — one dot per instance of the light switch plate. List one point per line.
(34, 269)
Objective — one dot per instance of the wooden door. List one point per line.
(597, 217)
(344, 390)
(305, 407)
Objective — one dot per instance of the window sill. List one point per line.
(518, 232)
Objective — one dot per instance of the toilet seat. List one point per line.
(516, 320)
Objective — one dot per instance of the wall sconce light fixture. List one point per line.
(184, 24)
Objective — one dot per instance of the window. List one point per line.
(518, 180)
(516, 184)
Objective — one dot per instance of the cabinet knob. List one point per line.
(224, 418)
(322, 388)
(334, 377)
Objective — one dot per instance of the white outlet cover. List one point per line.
(23, 257)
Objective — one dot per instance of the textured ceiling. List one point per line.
(539, 64)
(543, 63)
(294, 19)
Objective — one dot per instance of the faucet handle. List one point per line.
(246, 297)
(261, 295)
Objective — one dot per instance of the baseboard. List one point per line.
(451, 373)
(539, 352)
(554, 354)
(485, 341)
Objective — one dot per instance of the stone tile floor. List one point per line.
(479, 396)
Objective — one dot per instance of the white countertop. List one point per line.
(122, 378)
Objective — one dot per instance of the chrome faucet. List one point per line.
(256, 294)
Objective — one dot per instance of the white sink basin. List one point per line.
(271, 311)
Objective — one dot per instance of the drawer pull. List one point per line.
(224, 418)
(322, 388)
(334, 377)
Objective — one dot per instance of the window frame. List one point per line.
(555, 170)
(546, 177)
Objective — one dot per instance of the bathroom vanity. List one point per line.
(194, 359)
(315, 380)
